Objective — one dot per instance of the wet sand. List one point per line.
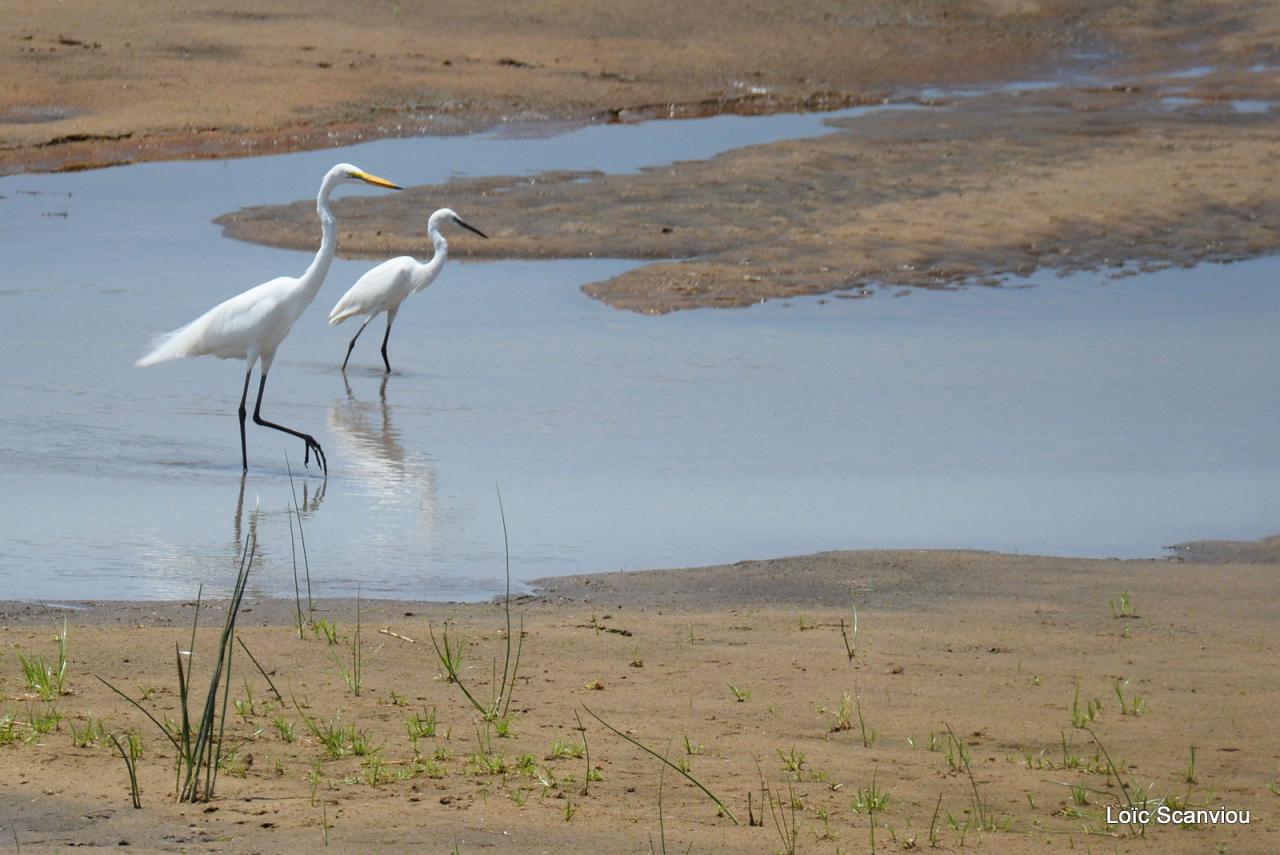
(993, 645)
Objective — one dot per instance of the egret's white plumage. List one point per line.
(251, 325)
(389, 284)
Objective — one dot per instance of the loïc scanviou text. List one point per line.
(1165, 815)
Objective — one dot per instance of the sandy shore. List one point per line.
(86, 85)
(994, 646)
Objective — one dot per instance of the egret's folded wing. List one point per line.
(374, 290)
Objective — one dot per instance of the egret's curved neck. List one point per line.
(319, 268)
(441, 245)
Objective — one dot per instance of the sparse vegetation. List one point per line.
(48, 679)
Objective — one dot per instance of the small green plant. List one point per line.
(1135, 706)
(233, 765)
(870, 799)
(130, 758)
(339, 740)
(284, 728)
(740, 695)
(244, 707)
(868, 735)
(326, 630)
(956, 753)
(844, 715)
(40, 723)
(561, 749)
(503, 726)
(1123, 607)
(692, 748)
(422, 725)
(47, 679)
(1070, 760)
(8, 728)
(354, 676)
(375, 772)
(527, 765)
(315, 779)
(792, 761)
(1190, 776)
(1081, 716)
(93, 734)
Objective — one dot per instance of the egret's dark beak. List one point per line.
(470, 228)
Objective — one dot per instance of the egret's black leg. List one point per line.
(312, 445)
(351, 346)
(244, 451)
(391, 316)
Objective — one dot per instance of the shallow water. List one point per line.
(1083, 416)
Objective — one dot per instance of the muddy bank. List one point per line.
(747, 662)
(976, 190)
(88, 86)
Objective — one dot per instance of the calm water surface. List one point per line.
(1082, 416)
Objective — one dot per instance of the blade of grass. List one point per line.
(723, 807)
(261, 670)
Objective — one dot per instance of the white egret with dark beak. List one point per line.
(389, 284)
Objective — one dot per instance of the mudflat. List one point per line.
(998, 701)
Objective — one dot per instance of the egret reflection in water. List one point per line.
(375, 456)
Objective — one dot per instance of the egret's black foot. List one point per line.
(312, 445)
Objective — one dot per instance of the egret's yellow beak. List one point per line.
(380, 182)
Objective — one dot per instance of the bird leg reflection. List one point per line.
(312, 504)
(311, 444)
(240, 501)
